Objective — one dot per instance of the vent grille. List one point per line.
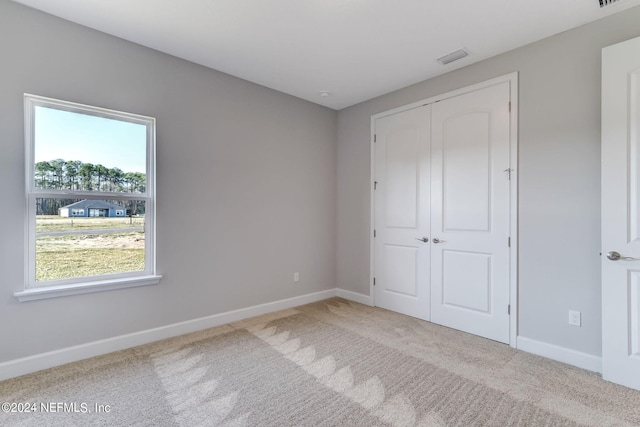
(453, 56)
(604, 3)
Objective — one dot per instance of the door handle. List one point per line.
(615, 256)
(436, 240)
(423, 239)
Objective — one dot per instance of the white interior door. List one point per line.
(621, 213)
(402, 212)
(470, 140)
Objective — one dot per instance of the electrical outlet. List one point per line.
(296, 277)
(575, 318)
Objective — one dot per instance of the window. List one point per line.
(87, 167)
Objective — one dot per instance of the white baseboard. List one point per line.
(27, 365)
(561, 354)
(354, 296)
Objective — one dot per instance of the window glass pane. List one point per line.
(73, 150)
(76, 243)
(82, 152)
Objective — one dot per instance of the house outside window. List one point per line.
(86, 167)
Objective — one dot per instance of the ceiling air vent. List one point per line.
(454, 56)
(604, 3)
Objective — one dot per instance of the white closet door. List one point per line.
(402, 212)
(470, 212)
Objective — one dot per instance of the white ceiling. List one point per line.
(353, 49)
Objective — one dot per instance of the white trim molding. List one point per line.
(354, 296)
(561, 354)
(27, 365)
(34, 294)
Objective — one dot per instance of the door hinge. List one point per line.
(509, 309)
(374, 233)
(509, 106)
(508, 172)
(375, 137)
(509, 241)
(375, 185)
(374, 281)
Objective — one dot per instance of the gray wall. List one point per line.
(246, 184)
(559, 172)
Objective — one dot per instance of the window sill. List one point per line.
(85, 288)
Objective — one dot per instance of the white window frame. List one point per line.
(78, 285)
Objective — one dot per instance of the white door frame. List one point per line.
(512, 78)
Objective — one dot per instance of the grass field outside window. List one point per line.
(117, 246)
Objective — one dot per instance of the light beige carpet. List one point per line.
(332, 363)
